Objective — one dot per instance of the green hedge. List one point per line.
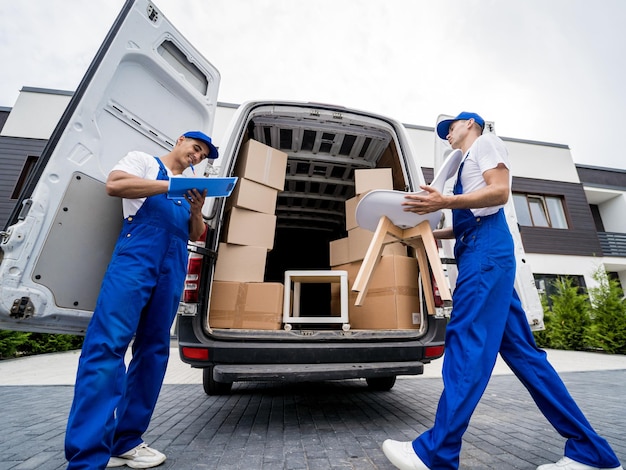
(593, 321)
(19, 343)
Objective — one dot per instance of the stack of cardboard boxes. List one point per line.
(239, 297)
(392, 300)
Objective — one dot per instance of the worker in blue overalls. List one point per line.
(487, 315)
(138, 298)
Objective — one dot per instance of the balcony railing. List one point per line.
(613, 244)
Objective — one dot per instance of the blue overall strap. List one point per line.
(460, 216)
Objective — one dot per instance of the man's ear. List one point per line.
(180, 139)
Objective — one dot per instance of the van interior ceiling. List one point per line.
(323, 153)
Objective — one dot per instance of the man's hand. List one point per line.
(196, 199)
(430, 200)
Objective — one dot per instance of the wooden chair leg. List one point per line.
(422, 239)
(371, 259)
(429, 243)
(422, 263)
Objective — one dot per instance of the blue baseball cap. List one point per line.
(202, 137)
(443, 128)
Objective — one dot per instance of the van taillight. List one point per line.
(194, 268)
(436, 294)
(192, 280)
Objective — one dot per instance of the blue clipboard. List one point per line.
(216, 187)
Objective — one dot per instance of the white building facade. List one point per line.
(571, 217)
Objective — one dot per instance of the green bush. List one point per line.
(19, 343)
(39, 343)
(608, 314)
(569, 318)
(10, 341)
(578, 321)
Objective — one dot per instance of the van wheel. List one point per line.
(381, 384)
(211, 387)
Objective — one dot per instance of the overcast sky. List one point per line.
(544, 70)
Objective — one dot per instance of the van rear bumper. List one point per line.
(314, 372)
(243, 356)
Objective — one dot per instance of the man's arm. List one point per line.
(495, 193)
(443, 233)
(122, 184)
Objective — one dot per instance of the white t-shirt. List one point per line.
(139, 164)
(485, 154)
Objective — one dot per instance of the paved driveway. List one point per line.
(332, 425)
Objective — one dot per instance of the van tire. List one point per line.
(381, 384)
(211, 387)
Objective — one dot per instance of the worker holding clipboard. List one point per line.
(138, 298)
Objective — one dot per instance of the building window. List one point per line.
(29, 164)
(535, 210)
(546, 285)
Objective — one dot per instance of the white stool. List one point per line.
(314, 277)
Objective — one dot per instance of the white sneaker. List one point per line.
(402, 455)
(568, 464)
(141, 456)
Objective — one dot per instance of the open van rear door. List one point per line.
(145, 87)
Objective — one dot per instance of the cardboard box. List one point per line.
(375, 178)
(246, 305)
(359, 241)
(240, 263)
(254, 196)
(392, 300)
(351, 211)
(263, 164)
(246, 227)
(339, 251)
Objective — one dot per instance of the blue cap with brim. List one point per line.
(202, 137)
(443, 128)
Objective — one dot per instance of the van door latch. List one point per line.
(202, 251)
(22, 308)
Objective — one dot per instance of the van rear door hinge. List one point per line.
(22, 308)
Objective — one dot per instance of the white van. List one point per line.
(145, 87)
